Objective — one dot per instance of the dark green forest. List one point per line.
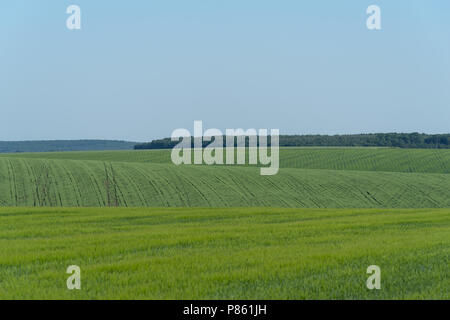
(64, 145)
(398, 140)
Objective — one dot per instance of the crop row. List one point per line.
(71, 183)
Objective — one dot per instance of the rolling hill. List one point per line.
(310, 249)
(310, 177)
(360, 159)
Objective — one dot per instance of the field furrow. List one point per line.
(71, 183)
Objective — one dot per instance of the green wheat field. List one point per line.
(140, 227)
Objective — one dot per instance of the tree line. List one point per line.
(397, 140)
(64, 145)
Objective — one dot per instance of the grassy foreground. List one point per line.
(246, 253)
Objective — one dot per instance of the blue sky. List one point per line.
(137, 70)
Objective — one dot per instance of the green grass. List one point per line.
(239, 253)
(258, 249)
(88, 183)
(359, 159)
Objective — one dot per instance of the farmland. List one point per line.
(245, 253)
(360, 159)
(92, 183)
(142, 228)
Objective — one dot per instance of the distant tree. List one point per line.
(399, 140)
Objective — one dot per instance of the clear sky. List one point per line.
(139, 69)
